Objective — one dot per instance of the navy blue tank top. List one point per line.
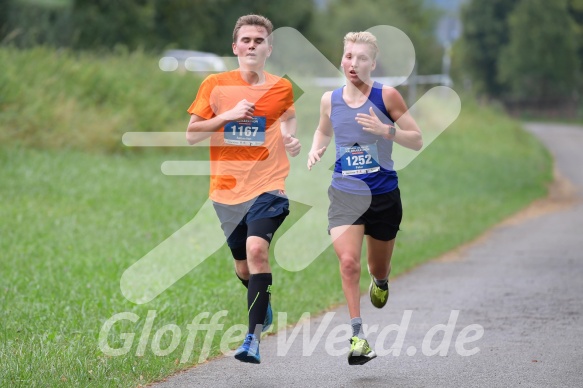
(363, 160)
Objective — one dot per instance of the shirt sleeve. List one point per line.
(290, 111)
(202, 105)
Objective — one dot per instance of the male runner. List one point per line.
(364, 193)
(250, 116)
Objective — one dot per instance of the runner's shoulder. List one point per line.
(326, 100)
(275, 79)
(390, 92)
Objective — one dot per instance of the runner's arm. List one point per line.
(288, 131)
(324, 132)
(200, 128)
(408, 133)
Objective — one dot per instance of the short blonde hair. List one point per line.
(363, 37)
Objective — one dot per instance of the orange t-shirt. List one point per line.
(247, 158)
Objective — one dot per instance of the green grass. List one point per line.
(72, 223)
(482, 169)
(60, 99)
(74, 217)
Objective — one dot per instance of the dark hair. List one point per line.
(253, 20)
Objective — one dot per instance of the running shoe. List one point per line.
(268, 318)
(249, 351)
(378, 295)
(360, 352)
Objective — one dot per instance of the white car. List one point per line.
(198, 61)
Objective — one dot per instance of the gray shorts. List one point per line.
(380, 214)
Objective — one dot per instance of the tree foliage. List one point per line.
(31, 24)
(523, 49)
(575, 8)
(105, 23)
(4, 10)
(207, 25)
(204, 25)
(485, 31)
(413, 17)
(152, 25)
(540, 63)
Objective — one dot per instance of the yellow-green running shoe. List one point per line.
(378, 295)
(360, 352)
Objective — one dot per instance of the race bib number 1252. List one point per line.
(359, 159)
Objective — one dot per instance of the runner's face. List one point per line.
(252, 46)
(357, 61)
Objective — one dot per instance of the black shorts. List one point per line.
(380, 214)
(260, 216)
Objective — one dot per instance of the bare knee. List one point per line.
(257, 251)
(349, 266)
(257, 255)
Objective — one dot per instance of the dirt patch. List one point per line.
(562, 195)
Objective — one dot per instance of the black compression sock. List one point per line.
(245, 282)
(257, 300)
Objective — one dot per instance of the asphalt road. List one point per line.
(511, 302)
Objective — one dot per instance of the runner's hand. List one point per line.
(371, 123)
(314, 156)
(292, 145)
(242, 111)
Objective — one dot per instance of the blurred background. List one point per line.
(526, 55)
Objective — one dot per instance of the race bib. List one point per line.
(359, 159)
(245, 132)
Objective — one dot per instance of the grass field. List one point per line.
(75, 217)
